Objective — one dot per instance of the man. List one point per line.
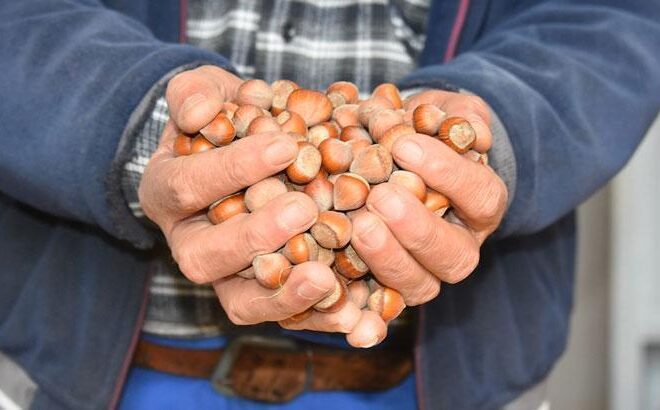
(540, 66)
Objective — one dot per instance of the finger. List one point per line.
(343, 321)
(192, 183)
(206, 252)
(447, 250)
(390, 262)
(475, 191)
(246, 302)
(472, 108)
(195, 97)
(369, 331)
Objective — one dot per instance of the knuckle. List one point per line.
(424, 292)
(254, 239)
(236, 169)
(179, 84)
(189, 265)
(478, 105)
(178, 186)
(494, 198)
(235, 315)
(426, 241)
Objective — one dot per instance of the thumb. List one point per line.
(196, 96)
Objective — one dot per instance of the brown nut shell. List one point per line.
(350, 192)
(349, 264)
(358, 293)
(271, 270)
(281, 91)
(352, 133)
(326, 256)
(370, 107)
(200, 144)
(390, 92)
(427, 119)
(292, 123)
(243, 116)
(313, 106)
(255, 92)
(411, 181)
(321, 191)
(226, 208)
(182, 145)
(458, 134)
(220, 131)
(301, 248)
(436, 202)
(382, 121)
(346, 115)
(261, 125)
(393, 134)
(335, 300)
(336, 155)
(319, 133)
(306, 165)
(373, 163)
(332, 230)
(387, 302)
(342, 92)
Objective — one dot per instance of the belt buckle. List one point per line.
(221, 379)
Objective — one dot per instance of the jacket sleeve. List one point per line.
(575, 83)
(71, 75)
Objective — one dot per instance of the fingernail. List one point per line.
(389, 206)
(279, 152)
(309, 291)
(192, 101)
(370, 233)
(296, 217)
(409, 152)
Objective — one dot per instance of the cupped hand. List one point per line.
(408, 247)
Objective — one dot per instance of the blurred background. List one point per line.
(613, 356)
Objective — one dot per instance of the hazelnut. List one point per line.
(306, 165)
(200, 144)
(182, 145)
(220, 131)
(342, 92)
(411, 181)
(334, 301)
(243, 116)
(458, 134)
(436, 202)
(255, 92)
(382, 121)
(350, 192)
(259, 194)
(319, 133)
(427, 119)
(352, 133)
(261, 125)
(321, 191)
(281, 91)
(332, 230)
(346, 115)
(349, 264)
(229, 108)
(301, 248)
(358, 145)
(326, 256)
(358, 293)
(387, 302)
(336, 155)
(292, 123)
(313, 106)
(226, 208)
(476, 156)
(390, 92)
(373, 163)
(371, 106)
(390, 137)
(271, 270)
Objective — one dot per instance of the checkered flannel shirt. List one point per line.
(313, 43)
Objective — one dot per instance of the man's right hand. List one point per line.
(176, 191)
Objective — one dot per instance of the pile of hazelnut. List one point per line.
(344, 149)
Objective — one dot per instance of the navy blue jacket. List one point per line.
(575, 83)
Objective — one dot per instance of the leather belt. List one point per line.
(278, 369)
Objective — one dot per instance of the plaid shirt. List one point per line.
(313, 43)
